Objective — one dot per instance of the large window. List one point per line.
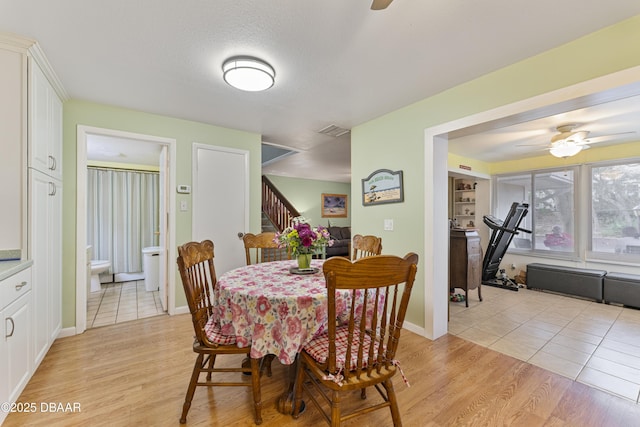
(607, 227)
(615, 209)
(550, 195)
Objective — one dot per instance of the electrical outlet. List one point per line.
(388, 224)
(184, 206)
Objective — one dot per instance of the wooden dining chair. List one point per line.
(195, 262)
(261, 247)
(366, 246)
(360, 352)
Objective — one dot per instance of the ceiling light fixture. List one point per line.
(564, 148)
(250, 74)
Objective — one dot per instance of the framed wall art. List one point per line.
(382, 186)
(334, 205)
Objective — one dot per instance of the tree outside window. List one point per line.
(615, 208)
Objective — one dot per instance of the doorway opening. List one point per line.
(124, 157)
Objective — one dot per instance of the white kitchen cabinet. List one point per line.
(45, 224)
(45, 113)
(45, 209)
(15, 347)
(31, 172)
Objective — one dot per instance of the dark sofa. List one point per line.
(341, 237)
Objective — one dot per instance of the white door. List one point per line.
(164, 200)
(221, 202)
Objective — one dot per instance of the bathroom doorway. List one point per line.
(116, 157)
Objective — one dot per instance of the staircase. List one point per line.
(267, 225)
(277, 211)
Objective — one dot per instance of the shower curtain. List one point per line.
(122, 217)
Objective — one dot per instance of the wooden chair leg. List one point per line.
(266, 363)
(212, 362)
(391, 395)
(335, 408)
(192, 388)
(257, 399)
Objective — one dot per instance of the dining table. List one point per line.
(275, 309)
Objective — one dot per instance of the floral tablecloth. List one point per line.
(270, 309)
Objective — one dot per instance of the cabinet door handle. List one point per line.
(20, 285)
(53, 165)
(52, 189)
(13, 328)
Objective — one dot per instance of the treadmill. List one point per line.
(501, 235)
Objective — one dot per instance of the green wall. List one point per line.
(396, 140)
(305, 195)
(185, 133)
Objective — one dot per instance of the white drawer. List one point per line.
(15, 286)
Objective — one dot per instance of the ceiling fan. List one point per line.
(569, 142)
(380, 4)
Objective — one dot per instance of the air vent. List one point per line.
(333, 130)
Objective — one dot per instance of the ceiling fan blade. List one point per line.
(380, 4)
(604, 138)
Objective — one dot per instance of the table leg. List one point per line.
(285, 402)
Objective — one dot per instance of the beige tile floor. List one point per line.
(121, 302)
(592, 343)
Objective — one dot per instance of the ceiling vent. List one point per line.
(333, 130)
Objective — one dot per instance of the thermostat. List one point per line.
(184, 189)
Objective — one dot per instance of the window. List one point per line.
(551, 217)
(615, 209)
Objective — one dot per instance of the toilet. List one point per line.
(97, 267)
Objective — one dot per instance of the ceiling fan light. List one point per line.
(565, 150)
(249, 74)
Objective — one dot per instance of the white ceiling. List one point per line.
(336, 61)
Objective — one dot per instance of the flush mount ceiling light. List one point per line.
(250, 74)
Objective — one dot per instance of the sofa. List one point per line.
(341, 237)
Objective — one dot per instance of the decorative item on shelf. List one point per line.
(475, 184)
(466, 211)
(471, 224)
(303, 241)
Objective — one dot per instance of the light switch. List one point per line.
(388, 225)
(184, 206)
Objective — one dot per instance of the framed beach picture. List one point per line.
(334, 205)
(382, 186)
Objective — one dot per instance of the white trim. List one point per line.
(81, 216)
(607, 88)
(183, 309)
(67, 332)
(414, 328)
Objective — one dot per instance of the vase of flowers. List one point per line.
(303, 241)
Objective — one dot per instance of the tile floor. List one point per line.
(121, 302)
(593, 343)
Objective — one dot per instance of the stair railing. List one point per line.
(276, 207)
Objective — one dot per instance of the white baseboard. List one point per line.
(67, 332)
(181, 310)
(414, 328)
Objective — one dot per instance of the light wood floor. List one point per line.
(136, 373)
